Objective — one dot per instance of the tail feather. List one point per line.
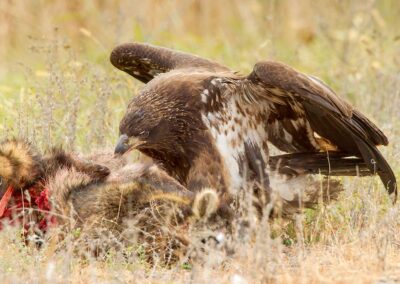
(325, 163)
(337, 164)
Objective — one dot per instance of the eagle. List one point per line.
(209, 126)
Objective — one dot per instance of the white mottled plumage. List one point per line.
(230, 129)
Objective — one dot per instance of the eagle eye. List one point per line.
(144, 134)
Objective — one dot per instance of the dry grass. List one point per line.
(57, 87)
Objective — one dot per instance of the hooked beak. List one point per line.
(122, 145)
(125, 144)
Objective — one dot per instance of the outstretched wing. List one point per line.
(304, 104)
(145, 61)
(295, 112)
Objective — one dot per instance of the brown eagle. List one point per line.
(208, 126)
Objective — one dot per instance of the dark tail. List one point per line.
(337, 164)
(325, 163)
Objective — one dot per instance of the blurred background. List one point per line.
(58, 87)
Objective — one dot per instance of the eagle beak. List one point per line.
(125, 144)
(122, 145)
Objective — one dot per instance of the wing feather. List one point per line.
(328, 115)
(145, 61)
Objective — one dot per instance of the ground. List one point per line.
(58, 87)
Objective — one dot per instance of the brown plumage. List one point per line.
(194, 116)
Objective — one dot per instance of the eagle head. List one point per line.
(164, 122)
(140, 129)
(137, 131)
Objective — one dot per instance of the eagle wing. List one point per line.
(295, 112)
(303, 104)
(145, 61)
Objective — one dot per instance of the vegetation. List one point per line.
(58, 87)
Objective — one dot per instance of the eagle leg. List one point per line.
(257, 165)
